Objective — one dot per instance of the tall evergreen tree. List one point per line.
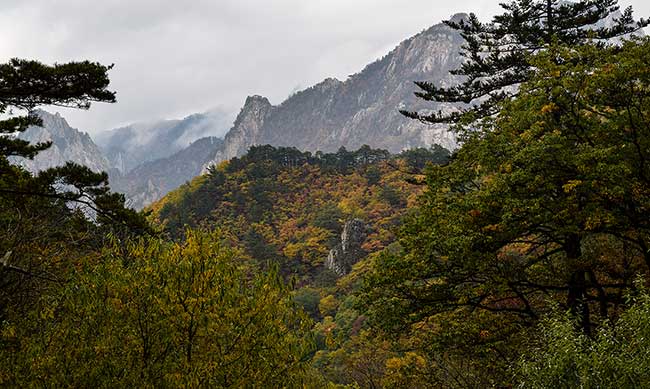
(27, 84)
(497, 54)
(40, 232)
(549, 200)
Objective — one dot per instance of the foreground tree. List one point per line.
(27, 84)
(44, 218)
(159, 314)
(498, 54)
(549, 201)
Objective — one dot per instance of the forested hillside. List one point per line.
(287, 207)
(521, 259)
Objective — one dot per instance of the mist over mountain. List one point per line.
(152, 180)
(127, 147)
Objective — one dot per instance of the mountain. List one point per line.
(130, 146)
(145, 182)
(68, 144)
(152, 180)
(361, 110)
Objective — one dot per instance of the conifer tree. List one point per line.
(39, 229)
(549, 200)
(497, 54)
(27, 84)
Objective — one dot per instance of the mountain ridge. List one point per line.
(363, 109)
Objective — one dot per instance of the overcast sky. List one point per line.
(173, 58)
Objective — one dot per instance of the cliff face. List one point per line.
(361, 110)
(349, 251)
(68, 144)
(246, 130)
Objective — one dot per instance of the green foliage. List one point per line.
(549, 200)
(419, 158)
(49, 219)
(157, 314)
(617, 356)
(308, 299)
(287, 207)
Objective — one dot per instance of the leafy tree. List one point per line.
(418, 158)
(498, 54)
(549, 201)
(159, 314)
(40, 230)
(617, 356)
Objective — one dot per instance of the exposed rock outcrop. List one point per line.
(349, 251)
(245, 132)
(68, 144)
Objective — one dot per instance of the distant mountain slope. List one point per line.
(146, 182)
(68, 144)
(361, 110)
(130, 146)
(152, 180)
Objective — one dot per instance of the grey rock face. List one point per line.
(349, 251)
(68, 144)
(361, 110)
(245, 132)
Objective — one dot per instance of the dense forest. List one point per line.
(521, 259)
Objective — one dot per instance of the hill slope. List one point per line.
(291, 208)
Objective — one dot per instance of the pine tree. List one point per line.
(39, 229)
(498, 53)
(26, 84)
(549, 200)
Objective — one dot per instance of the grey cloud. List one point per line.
(173, 58)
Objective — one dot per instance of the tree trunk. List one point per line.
(576, 299)
(549, 19)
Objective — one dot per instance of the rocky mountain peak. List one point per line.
(245, 132)
(459, 17)
(256, 101)
(364, 109)
(68, 144)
